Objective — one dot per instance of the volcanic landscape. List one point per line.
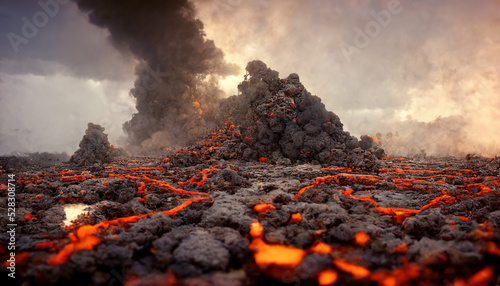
(277, 194)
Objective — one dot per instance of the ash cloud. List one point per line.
(176, 85)
(434, 65)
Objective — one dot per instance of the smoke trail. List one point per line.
(178, 70)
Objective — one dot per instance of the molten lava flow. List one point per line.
(264, 208)
(85, 175)
(327, 277)
(256, 229)
(398, 213)
(295, 218)
(201, 182)
(85, 237)
(402, 248)
(484, 231)
(397, 277)
(343, 179)
(268, 254)
(339, 169)
(141, 190)
(361, 238)
(44, 245)
(492, 248)
(321, 248)
(320, 180)
(183, 205)
(281, 255)
(357, 271)
(444, 198)
(482, 278)
(28, 217)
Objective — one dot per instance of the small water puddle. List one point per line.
(73, 211)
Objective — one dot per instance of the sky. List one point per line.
(58, 79)
(427, 71)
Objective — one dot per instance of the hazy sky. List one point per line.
(422, 60)
(66, 75)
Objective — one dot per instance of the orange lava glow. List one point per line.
(444, 198)
(264, 208)
(492, 248)
(402, 248)
(484, 231)
(85, 237)
(267, 254)
(327, 277)
(343, 179)
(76, 178)
(141, 190)
(481, 278)
(281, 255)
(256, 229)
(483, 190)
(201, 182)
(28, 217)
(399, 214)
(361, 238)
(397, 277)
(320, 180)
(44, 245)
(339, 169)
(295, 218)
(359, 272)
(321, 248)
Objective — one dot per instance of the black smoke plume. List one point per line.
(178, 68)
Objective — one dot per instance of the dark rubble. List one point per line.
(433, 222)
(280, 120)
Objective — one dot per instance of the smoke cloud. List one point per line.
(65, 75)
(178, 70)
(429, 74)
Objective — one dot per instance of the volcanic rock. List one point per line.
(202, 251)
(94, 147)
(424, 224)
(279, 118)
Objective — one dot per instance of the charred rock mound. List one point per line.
(279, 118)
(94, 147)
